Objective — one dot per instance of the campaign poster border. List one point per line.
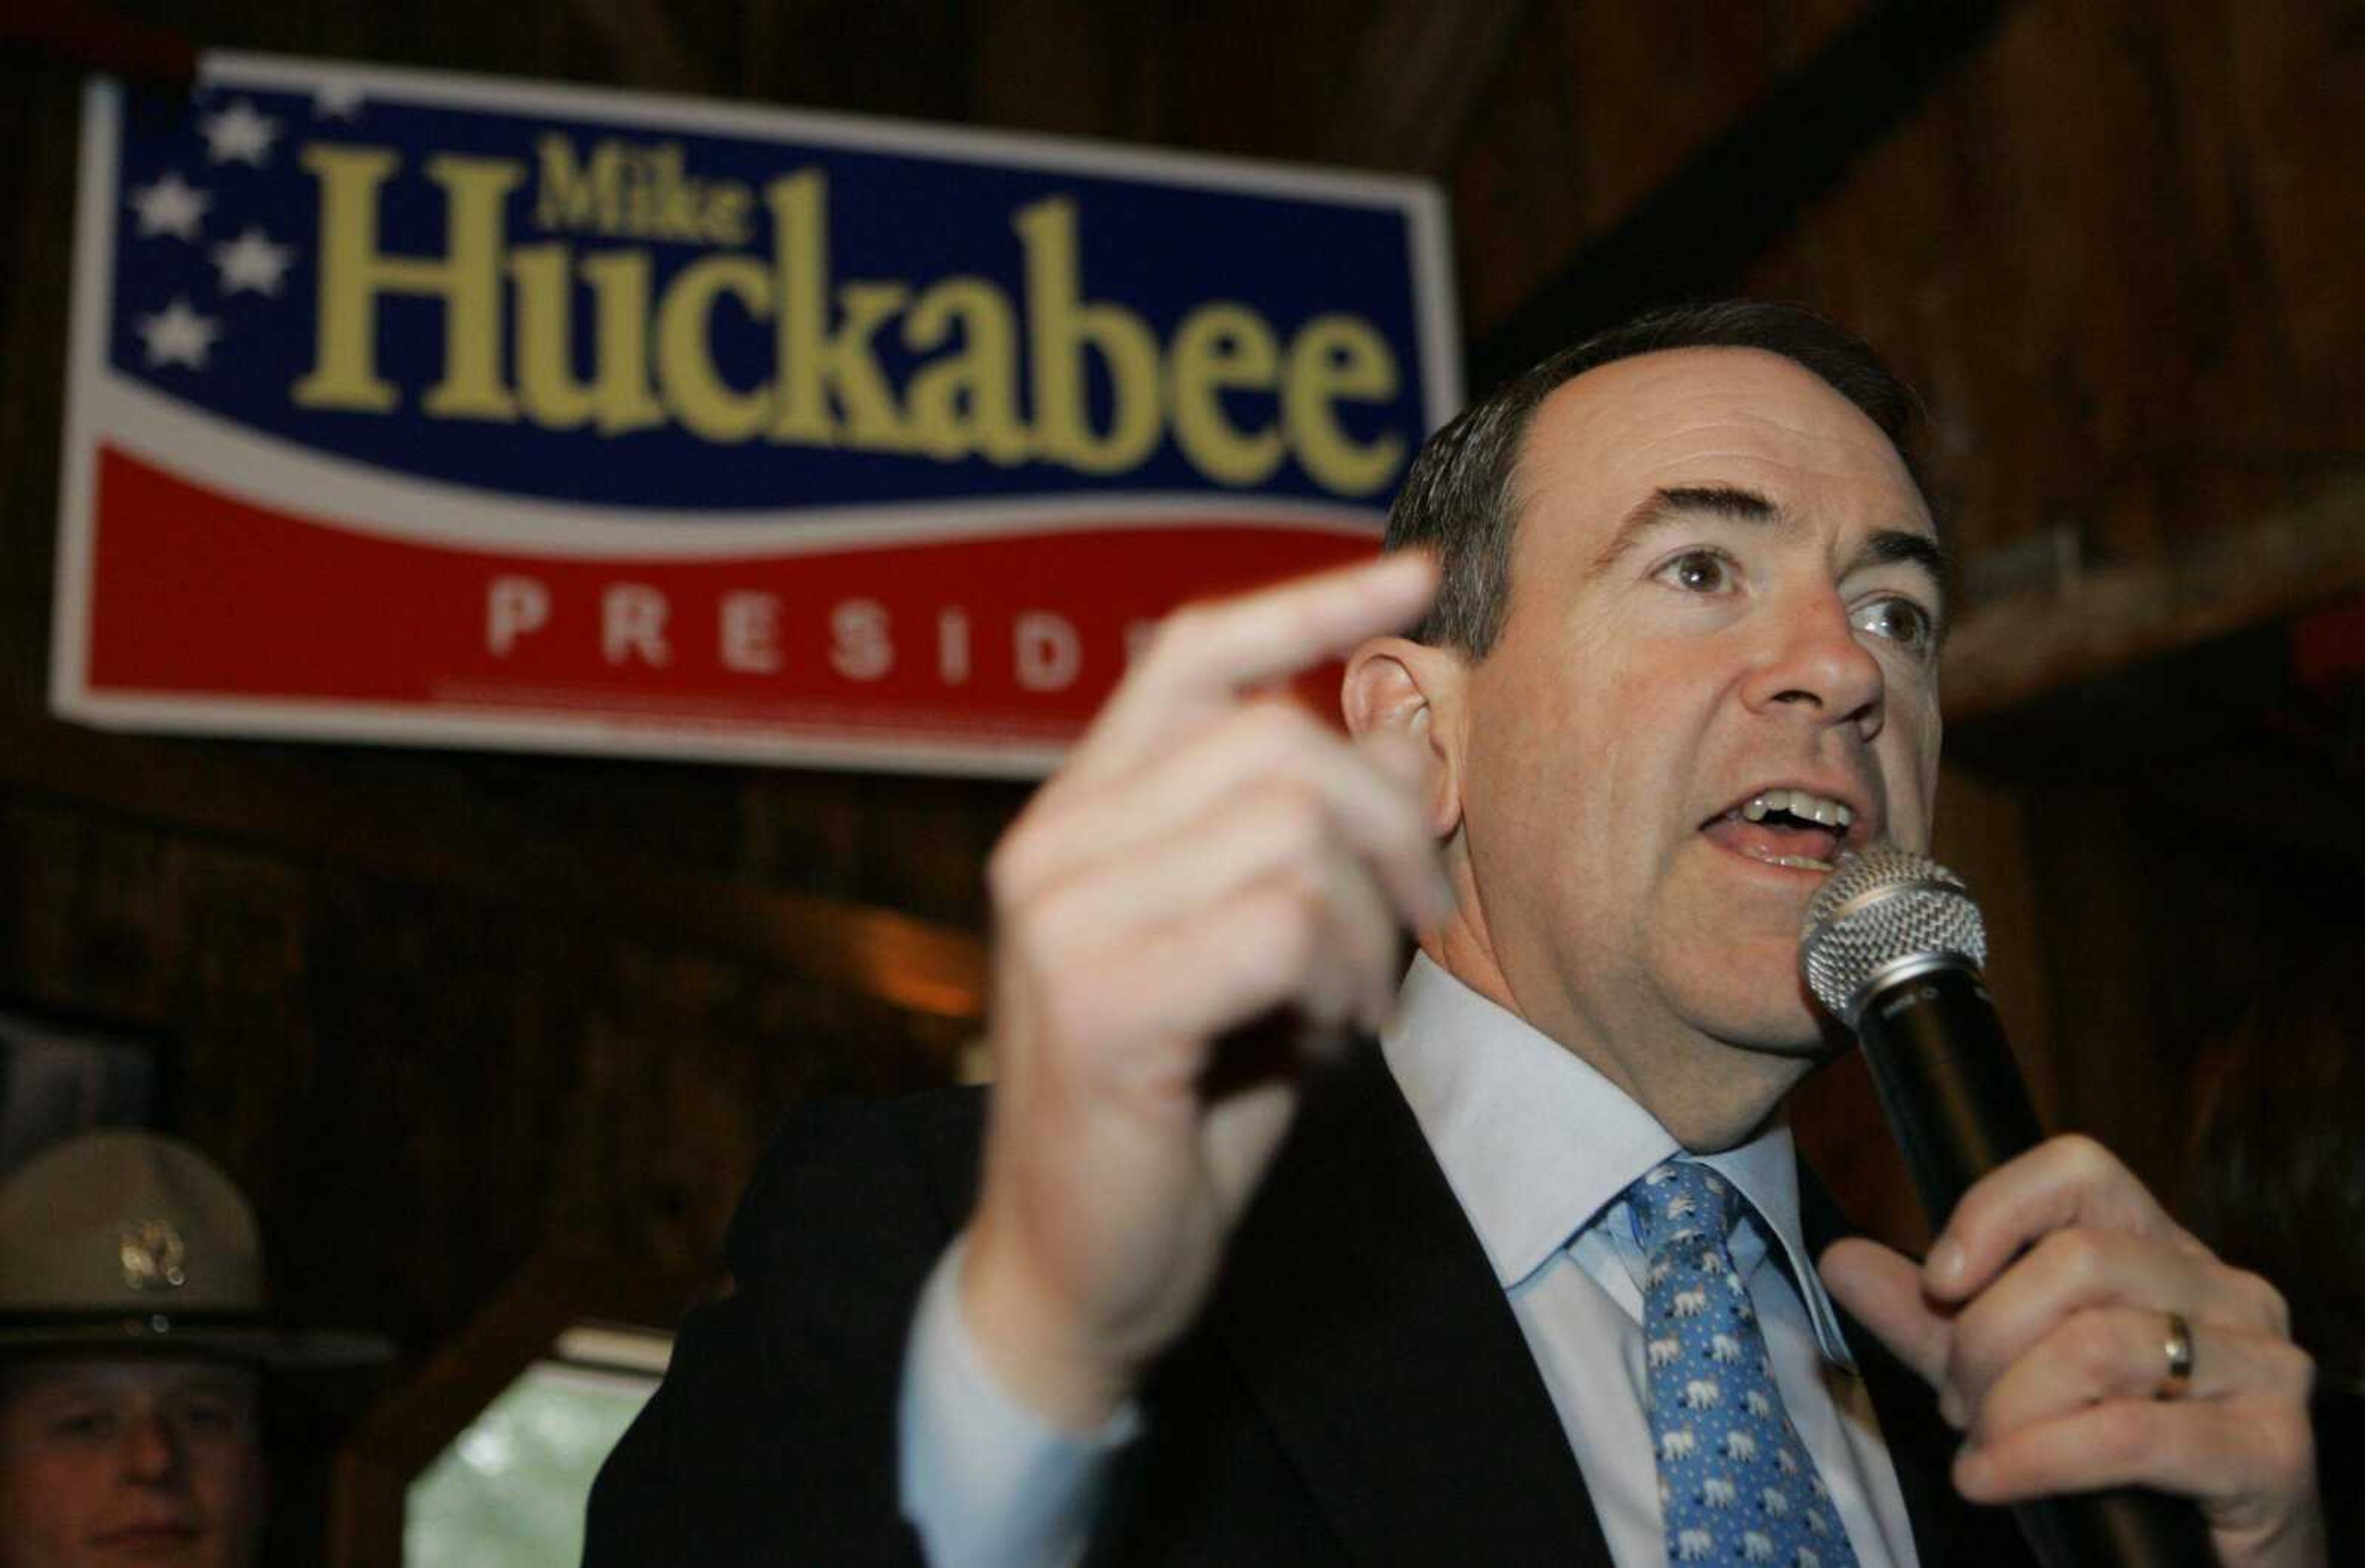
(586, 529)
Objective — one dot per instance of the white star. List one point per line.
(337, 99)
(253, 262)
(178, 335)
(237, 134)
(171, 205)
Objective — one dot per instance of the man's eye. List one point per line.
(81, 1424)
(1901, 620)
(1699, 571)
(212, 1416)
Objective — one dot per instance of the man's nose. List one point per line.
(150, 1450)
(1814, 660)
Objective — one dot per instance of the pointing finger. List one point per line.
(1210, 653)
(1272, 745)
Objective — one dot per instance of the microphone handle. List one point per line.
(1958, 1108)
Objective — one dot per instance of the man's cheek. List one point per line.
(1911, 780)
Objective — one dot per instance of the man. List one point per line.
(133, 1342)
(1232, 1286)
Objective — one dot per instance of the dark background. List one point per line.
(439, 1012)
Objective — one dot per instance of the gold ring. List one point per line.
(2179, 1346)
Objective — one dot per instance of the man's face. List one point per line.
(104, 1463)
(1723, 585)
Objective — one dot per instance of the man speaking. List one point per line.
(1275, 1254)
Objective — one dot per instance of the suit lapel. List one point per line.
(1367, 1325)
(1947, 1529)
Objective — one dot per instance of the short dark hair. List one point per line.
(1459, 498)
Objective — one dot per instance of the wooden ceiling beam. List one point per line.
(1413, 79)
(2020, 649)
(1743, 189)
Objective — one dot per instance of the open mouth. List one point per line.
(1792, 828)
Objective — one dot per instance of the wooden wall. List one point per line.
(2110, 253)
(2115, 249)
(435, 1010)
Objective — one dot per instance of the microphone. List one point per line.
(1893, 947)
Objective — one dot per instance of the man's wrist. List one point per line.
(987, 1481)
(1027, 1337)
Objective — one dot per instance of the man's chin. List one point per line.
(1768, 1038)
(1789, 1027)
(1754, 999)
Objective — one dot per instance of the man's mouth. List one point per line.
(1786, 827)
(143, 1541)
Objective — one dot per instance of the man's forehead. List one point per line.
(1694, 415)
(151, 1375)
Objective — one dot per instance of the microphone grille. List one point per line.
(1879, 907)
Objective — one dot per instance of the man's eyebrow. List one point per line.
(1660, 508)
(1896, 546)
(1891, 545)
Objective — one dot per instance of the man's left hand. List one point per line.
(2043, 1319)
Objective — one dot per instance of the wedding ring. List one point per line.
(2179, 1346)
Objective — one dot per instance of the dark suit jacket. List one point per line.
(1356, 1391)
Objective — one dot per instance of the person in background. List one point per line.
(2277, 1184)
(135, 1344)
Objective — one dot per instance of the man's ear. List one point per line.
(1399, 687)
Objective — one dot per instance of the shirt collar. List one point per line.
(1502, 1106)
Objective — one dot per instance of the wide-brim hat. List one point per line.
(134, 1242)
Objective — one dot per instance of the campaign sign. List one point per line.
(436, 410)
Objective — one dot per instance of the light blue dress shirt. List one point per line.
(1538, 1147)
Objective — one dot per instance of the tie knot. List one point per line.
(1682, 1202)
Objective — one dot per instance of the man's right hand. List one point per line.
(1210, 856)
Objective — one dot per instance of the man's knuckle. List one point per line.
(2290, 1369)
(1298, 819)
(1068, 1014)
(2286, 1451)
(1042, 929)
(1010, 868)
(2264, 1303)
(1297, 884)
(1375, 941)
(2085, 1159)
(1280, 726)
(1965, 1362)
(1181, 631)
(2076, 1257)
(1287, 930)
(2096, 1346)
(1402, 822)
(2124, 1435)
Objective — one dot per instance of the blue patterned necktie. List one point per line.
(1735, 1484)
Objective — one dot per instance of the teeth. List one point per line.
(1795, 862)
(1798, 804)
